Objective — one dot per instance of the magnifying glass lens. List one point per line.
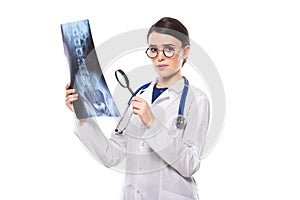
(122, 78)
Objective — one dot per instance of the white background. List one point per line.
(255, 46)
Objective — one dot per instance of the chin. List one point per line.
(166, 73)
(163, 74)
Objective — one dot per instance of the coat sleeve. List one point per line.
(182, 152)
(108, 151)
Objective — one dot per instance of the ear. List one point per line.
(186, 51)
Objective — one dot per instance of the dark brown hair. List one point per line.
(171, 26)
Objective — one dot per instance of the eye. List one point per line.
(153, 49)
(169, 49)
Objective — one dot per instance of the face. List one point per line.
(166, 64)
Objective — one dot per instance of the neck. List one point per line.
(168, 81)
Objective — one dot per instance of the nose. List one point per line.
(160, 56)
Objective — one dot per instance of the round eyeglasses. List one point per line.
(152, 52)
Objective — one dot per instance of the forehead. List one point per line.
(160, 39)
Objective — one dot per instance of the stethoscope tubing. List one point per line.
(180, 120)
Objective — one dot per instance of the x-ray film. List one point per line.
(87, 78)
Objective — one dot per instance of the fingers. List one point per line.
(70, 97)
(68, 85)
(70, 91)
(138, 103)
(138, 99)
(139, 106)
(69, 101)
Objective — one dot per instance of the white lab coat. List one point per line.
(159, 161)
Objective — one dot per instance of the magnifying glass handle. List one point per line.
(122, 118)
(124, 121)
(132, 93)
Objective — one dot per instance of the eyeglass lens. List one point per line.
(152, 52)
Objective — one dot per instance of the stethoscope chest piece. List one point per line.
(180, 122)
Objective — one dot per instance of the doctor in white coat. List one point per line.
(158, 153)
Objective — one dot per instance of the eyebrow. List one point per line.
(153, 45)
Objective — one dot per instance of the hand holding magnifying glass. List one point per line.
(141, 107)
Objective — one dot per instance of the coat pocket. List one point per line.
(174, 196)
(131, 193)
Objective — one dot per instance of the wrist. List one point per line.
(150, 121)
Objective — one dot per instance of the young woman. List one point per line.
(161, 147)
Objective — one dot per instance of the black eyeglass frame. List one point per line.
(163, 50)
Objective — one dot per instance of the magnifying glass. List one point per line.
(123, 80)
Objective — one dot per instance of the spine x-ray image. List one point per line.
(87, 78)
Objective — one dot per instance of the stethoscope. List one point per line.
(124, 82)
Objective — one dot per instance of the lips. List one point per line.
(162, 66)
